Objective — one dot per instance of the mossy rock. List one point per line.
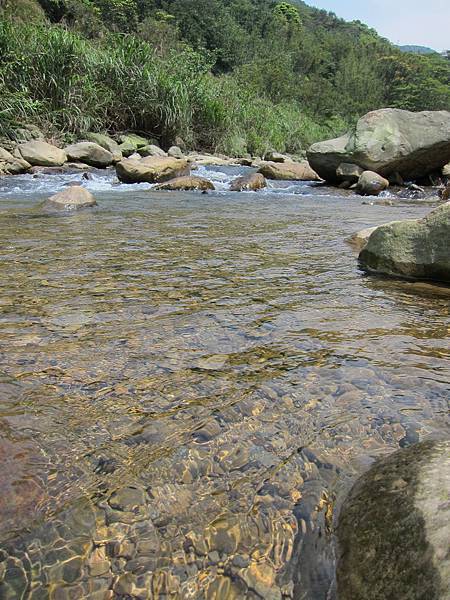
(394, 528)
(411, 249)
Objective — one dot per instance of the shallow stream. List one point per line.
(190, 383)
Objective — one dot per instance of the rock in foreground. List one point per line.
(249, 183)
(73, 198)
(388, 141)
(153, 169)
(412, 249)
(394, 528)
(41, 154)
(289, 171)
(187, 183)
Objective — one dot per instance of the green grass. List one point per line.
(61, 81)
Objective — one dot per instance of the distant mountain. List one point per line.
(417, 49)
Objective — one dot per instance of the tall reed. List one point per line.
(57, 79)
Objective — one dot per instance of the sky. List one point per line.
(417, 22)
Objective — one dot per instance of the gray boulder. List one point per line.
(153, 169)
(394, 528)
(89, 153)
(412, 249)
(39, 153)
(446, 170)
(371, 184)
(73, 198)
(388, 141)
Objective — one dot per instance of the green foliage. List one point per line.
(287, 15)
(25, 11)
(228, 75)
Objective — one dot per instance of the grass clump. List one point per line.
(61, 80)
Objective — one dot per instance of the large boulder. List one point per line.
(289, 171)
(371, 184)
(89, 153)
(39, 153)
(11, 165)
(107, 143)
(153, 169)
(73, 198)
(394, 528)
(412, 249)
(388, 141)
(251, 182)
(187, 183)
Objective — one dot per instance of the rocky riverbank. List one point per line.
(136, 159)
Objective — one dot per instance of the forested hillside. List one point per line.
(228, 75)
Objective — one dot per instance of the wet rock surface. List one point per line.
(204, 380)
(394, 528)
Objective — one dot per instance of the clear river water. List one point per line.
(190, 383)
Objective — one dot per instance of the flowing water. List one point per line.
(190, 383)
